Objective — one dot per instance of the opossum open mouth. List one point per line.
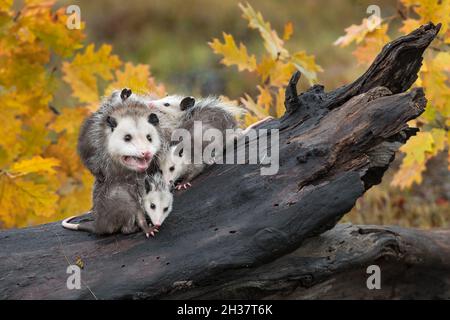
(137, 163)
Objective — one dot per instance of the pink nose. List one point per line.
(157, 226)
(147, 154)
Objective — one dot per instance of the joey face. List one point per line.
(173, 164)
(157, 202)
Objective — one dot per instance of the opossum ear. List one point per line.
(148, 186)
(153, 119)
(125, 94)
(111, 122)
(187, 103)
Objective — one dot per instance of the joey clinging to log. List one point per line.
(212, 113)
(158, 199)
(176, 159)
(117, 143)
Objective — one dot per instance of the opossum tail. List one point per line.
(84, 226)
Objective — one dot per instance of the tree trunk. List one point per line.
(237, 233)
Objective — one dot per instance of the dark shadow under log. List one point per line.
(234, 222)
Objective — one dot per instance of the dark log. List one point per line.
(234, 221)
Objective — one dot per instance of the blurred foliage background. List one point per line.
(167, 43)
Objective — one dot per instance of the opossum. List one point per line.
(171, 111)
(213, 113)
(117, 143)
(158, 199)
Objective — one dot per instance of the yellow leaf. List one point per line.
(416, 148)
(357, 33)
(272, 42)
(280, 109)
(409, 25)
(306, 64)
(252, 106)
(439, 140)
(5, 5)
(81, 73)
(264, 99)
(138, 78)
(373, 43)
(265, 68)
(281, 73)
(288, 31)
(23, 199)
(408, 174)
(70, 120)
(232, 55)
(36, 164)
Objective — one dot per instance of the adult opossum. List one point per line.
(117, 143)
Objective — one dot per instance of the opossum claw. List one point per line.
(183, 186)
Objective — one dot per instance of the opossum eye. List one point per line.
(166, 104)
(127, 137)
(180, 153)
(166, 208)
(149, 138)
(152, 206)
(172, 168)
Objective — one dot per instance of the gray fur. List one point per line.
(116, 196)
(213, 112)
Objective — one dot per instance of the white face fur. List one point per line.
(157, 204)
(133, 142)
(169, 105)
(173, 165)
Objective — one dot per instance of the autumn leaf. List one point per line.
(34, 165)
(418, 150)
(265, 68)
(233, 55)
(372, 45)
(272, 42)
(288, 31)
(280, 109)
(264, 99)
(409, 25)
(138, 78)
(357, 33)
(23, 197)
(306, 64)
(81, 73)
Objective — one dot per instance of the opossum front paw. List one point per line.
(151, 232)
(182, 186)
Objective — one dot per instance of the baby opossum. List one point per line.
(213, 113)
(157, 200)
(117, 143)
(170, 110)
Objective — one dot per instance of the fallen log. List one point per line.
(234, 221)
